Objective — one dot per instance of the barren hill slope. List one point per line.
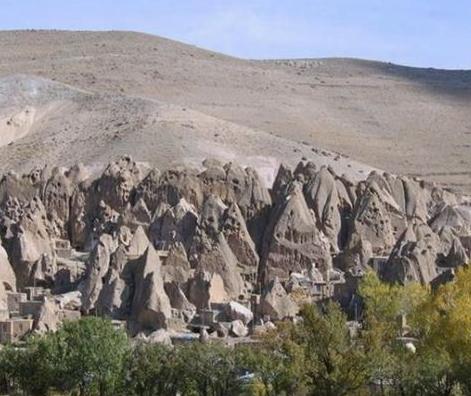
(48, 123)
(405, 120)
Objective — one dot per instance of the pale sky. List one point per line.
(429, 33)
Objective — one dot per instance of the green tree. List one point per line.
(151, 371)
(276, 363)
(336, 363)
(31, 368)
(92, 357)
(207, 370)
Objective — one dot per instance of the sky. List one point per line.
(426, 33)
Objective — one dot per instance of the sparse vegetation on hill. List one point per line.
(160, 100)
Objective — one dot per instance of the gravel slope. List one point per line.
(404, 120)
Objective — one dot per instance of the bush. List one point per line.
(92, 354)
(152, 370)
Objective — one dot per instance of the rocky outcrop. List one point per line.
(322, 196)
(206, 288)
(292, 240)
(28, 242)
(116, 184)
(179, 183)
(413, 259)
(276, 303)
(48, 318)
(174, 224)
(115, 295)
(238, 238)
(237, 311)
(153, 248)
(210, 251)
(97, 268)
(372, 222)
(151, 307)
(177, 298)
(177, 267)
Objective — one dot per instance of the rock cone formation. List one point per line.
(150, 247)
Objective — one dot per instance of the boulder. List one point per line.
(276, 303)
(239, 329)
(160, 336)
(236, 311)
(71, 300)
(47, 319)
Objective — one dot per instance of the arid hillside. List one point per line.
(106, 94)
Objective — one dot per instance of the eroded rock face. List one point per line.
(97, 268)
(114, 299)
(210, 251)
(28, 242)
(206, 288)
(413, 259)
(148, 190)
(151, 307)
(238, 238)
(57, 195)
(174, 224)
(179, 183)
(47, 319)
(117, 182)
(293, 241)
(178, 298)
(322, 196)
(276, 303)
(236, 311)
(372, 222)
(177, 267)
(186, 239)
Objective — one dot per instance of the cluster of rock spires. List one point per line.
(155, 249)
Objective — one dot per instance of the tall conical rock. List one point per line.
(238, 237)
(322, 196)
(151, 307)
(292, 240)
(210, 251)
(97, 267)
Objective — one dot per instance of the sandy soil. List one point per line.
(167, 101)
